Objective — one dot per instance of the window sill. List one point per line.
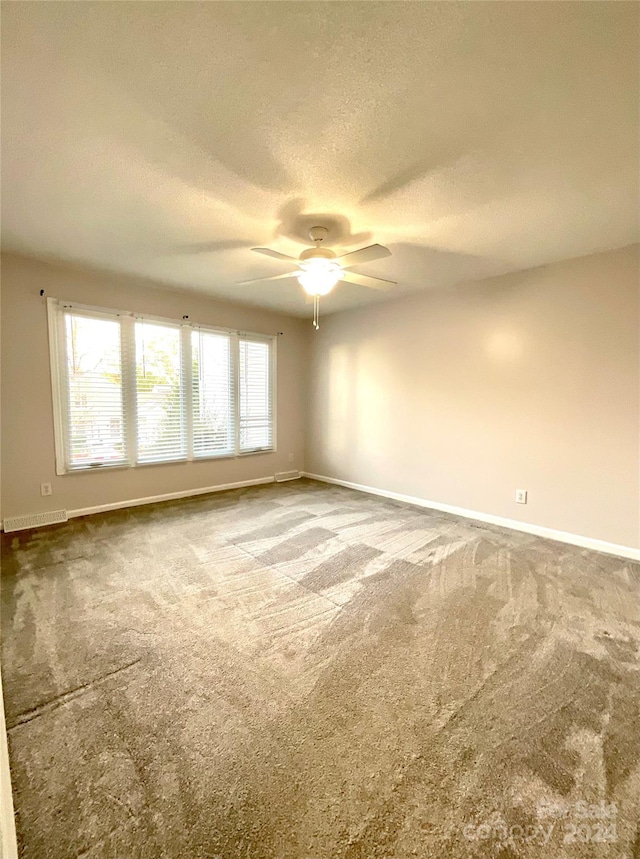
(182, 460)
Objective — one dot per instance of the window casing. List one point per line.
(131, 390)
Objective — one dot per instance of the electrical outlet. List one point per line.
(291, 457)
(45, 489)
(521, 496)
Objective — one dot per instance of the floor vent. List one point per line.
(35, 520)
(287, 475)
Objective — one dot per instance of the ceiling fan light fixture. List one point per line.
(319, 276)
(320, 269)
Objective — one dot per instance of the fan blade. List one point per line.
(365, 280)
(367, 254)
(273, 277)
(269, 253)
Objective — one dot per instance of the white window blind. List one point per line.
(212, 394)
(129, 391)
(255, 395)
(160, 406)
(93, 406)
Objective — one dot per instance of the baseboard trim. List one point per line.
(513, 524)
(167, 496)
(8, 839)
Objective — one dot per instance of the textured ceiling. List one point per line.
(165, 139)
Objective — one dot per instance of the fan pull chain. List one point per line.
(316, 312)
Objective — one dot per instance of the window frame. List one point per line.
(56, 309)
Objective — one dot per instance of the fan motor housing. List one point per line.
(317, 253)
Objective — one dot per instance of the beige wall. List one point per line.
(460, 396)
(27, 423)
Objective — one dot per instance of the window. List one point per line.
(131, 391)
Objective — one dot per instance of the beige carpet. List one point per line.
(303, 671)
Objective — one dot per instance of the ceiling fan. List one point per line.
(319, 269)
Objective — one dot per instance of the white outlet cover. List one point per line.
(521, 496)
